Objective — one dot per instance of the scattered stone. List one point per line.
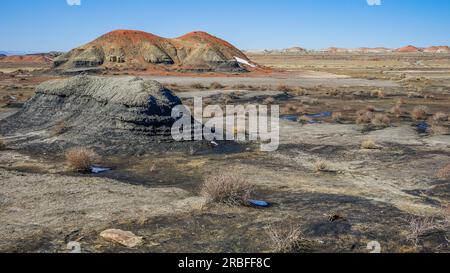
(124, 238)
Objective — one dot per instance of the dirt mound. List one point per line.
(131, 49)
(408, 49)
(94, 111)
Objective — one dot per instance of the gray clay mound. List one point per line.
(112, 114)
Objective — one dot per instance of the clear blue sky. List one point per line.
(43, 25)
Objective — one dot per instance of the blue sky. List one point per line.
(43, 25)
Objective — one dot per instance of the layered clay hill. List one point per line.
(41, 58)
(195, 51)
(408, 49)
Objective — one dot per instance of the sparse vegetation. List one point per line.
(444, 173)
(381, 120)
(81, 159)
(320, 166)
(369, 144)
(336, 116)
(418, 227)
(197, 86)
(436, 129)
(285, 238)
(285, 88)
(216, 85)
(419, 113)
(230, 189)
(440, 117)
(397, 110)
(365, 116)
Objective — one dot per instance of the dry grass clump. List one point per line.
(320, 166)
(444, 173)
(378, 93)
(336, 116)
(440, 117)
(365, 116)
(285, 88)
(419, 113)
(397, 110)
(381, 120)
(240, 86)
(369, 144)
(230, 189)
(197, 85)
(419, 227)
(285, 238)
(436, 129)
(216, 85)
(81, 159)
(292, 109)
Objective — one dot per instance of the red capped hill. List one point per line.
(408, 49)
(137, 49)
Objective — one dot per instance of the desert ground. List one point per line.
(376, 168)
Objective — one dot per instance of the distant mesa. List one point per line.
(195, 51)
(295, 49)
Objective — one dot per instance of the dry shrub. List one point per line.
(230, 189)
(285, 238)
(444, 173)
(437, 129)
(397, 110)
(336, 116)
(292, 109)
(364, 117)
(440, 117)
(285, 88)
(369, 144)
(381, 120)
(401, 101)
(419, 227)
(197, 86)
(81, 159)
(239, 86)
(320, 166)
(419, 113)
(216, 85)
(446, 212)
(378, 93)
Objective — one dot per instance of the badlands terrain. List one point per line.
(364, 153)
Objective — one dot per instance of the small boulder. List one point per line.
(124, 238)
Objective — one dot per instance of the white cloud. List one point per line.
(374, 2)
(74, 2)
